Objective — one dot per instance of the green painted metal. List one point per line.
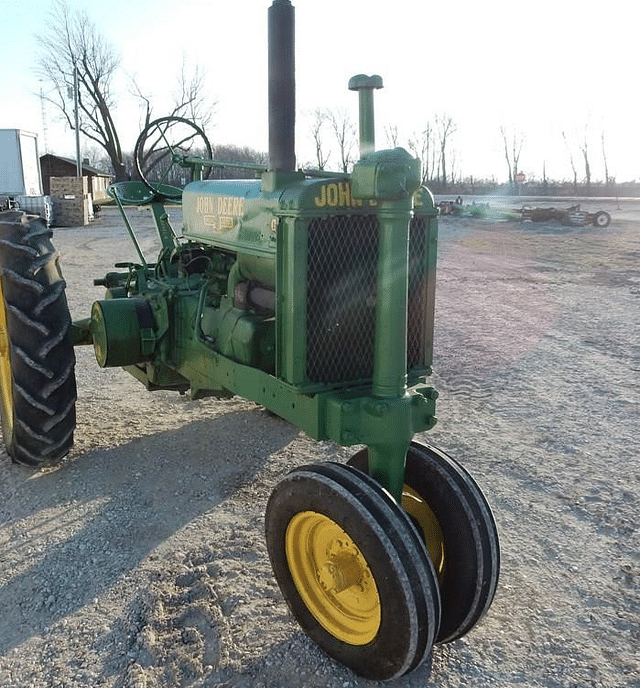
(391, 178)
(80, 332)
(132, 234)
(365, 85)
(229, 306)
(311, 295)
(122, 331)
(424, 209)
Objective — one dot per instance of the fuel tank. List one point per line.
(242, 216)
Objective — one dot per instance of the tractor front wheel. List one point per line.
(353, 570)
(37, 361)
(459, 532)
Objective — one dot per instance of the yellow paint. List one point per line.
(221, 213)
(333, 578)
(338, 195)
(231, 206)
(6, 378)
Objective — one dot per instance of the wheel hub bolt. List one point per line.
(340, 573)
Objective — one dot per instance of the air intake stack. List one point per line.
(365, 85)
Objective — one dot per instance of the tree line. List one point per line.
(73, 52)
(333, 132)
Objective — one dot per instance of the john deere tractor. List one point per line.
(312, 294)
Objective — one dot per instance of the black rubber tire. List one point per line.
(471, 546)
(399, 565)
(37, 357)
(601, 219)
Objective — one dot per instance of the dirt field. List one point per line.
(141, 562)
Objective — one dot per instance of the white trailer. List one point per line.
(20, 176)
(19, 164)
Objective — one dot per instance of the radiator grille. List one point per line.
(418, 295)
(342, 266)
(342, 259)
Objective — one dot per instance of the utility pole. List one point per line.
(44, 120)
(75, 108)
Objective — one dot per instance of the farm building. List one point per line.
(57, 166)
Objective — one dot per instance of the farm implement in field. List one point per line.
(571, 216)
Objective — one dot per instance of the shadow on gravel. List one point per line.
(120, 504)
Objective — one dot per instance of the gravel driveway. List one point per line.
(141, 561)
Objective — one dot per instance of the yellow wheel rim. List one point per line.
(6, 379)
(416, 507)
(333, 578)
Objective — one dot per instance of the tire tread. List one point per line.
(333, 488)
(40, 348)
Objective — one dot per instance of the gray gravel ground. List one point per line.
(141, 562)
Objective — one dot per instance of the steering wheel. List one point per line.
(161, 147)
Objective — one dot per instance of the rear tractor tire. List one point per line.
(37, 361)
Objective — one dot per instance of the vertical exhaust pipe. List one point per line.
(282, 85)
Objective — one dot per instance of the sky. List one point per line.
(537, 69)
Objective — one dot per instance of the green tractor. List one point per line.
(312, 294)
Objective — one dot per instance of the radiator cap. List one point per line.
(386, 175)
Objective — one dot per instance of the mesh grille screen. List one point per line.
(342, 266)
(417, 310)
(342, 269)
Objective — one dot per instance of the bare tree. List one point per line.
(573, 165)
(584, 149)
(391, 134)
(73, 43)
(345, 133)
(422, 145)
(189, 98)
(513, 142)
(587, 167)
(453, 174)
(320, 117)
(445, 128)
(503, 133)
(607, 179)
(95, 156)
